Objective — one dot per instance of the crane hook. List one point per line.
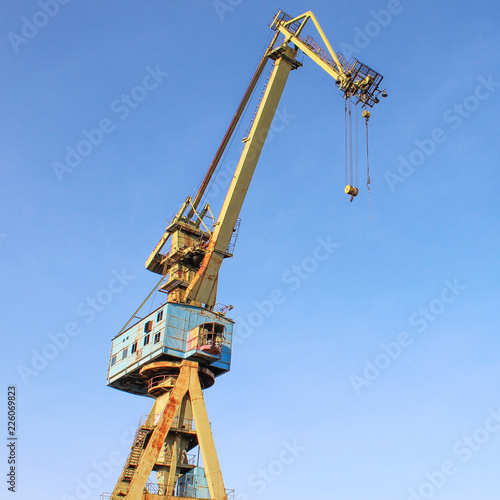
(353, 191)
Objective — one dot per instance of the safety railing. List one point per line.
(187, 423)
(158, 489)
(282, 17)
(185, 460)
(161, 380)
(154, 488)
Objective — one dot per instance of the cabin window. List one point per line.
(113, 360)
(146, 339)
(124, 353)
(159, 316)
(157, 337)
(148, 326)
(134, 348)
(210, 336)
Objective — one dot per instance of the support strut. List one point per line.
(162, 442)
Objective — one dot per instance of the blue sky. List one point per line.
(375, 373)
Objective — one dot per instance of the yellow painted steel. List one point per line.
(206, 442)
(296, 40)
(166, 235)
(203, 288)
(195, 281)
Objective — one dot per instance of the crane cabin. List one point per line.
(172, 332)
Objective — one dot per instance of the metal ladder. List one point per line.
(132, 462)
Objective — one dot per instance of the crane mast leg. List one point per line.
(203, 287)
(168, 433)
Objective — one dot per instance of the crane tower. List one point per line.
(174, 352)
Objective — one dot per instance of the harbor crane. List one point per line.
(176, 351)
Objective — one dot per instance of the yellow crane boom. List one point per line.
(196, 254)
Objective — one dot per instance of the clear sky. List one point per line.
(375, 375)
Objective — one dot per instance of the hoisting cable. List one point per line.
(350, 143)
(350, 189)
(356, 144)
(345, 139)
(366, 116)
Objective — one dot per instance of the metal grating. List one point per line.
(320, 52)
(282, 17)
(360, 71)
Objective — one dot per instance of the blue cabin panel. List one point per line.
(193, 484)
